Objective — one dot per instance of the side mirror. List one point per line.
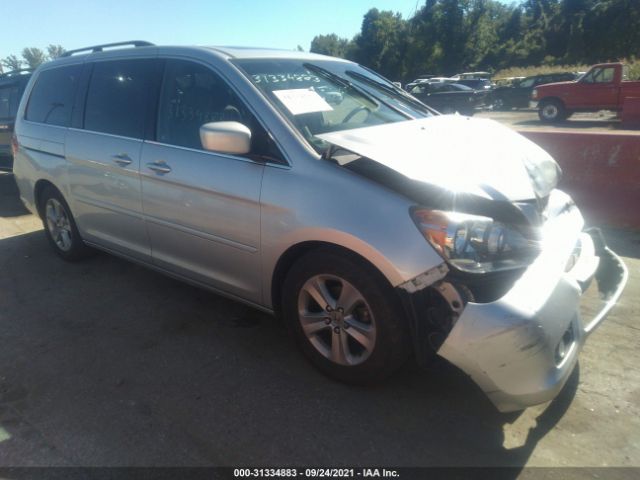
(226, 137)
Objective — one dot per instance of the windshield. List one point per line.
(327, 96)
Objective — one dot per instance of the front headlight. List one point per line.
(534, 94)
(473, 243)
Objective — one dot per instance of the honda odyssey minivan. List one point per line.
(312, 188)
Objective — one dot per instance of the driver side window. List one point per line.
(600, 75)
(193, 95)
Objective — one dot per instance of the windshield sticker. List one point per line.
(271, 78)
(302, 100)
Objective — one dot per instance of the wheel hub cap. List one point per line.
(336, 319)
(58, 224)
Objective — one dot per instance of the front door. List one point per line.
(598, 89)
(202, 208)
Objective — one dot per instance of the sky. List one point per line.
(268, 23)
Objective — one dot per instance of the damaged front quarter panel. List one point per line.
(432, 306)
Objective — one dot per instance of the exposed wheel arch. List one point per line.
(289, 257)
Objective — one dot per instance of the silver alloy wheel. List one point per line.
(550, 111)
(336, 319)
(58, 224)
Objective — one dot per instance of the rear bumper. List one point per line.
(533, 105)
(521, 348)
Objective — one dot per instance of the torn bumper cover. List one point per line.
(521, 348)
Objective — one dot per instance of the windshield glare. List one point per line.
(320, 97)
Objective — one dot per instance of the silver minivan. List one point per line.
(312, 188)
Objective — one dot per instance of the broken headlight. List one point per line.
(473, 243)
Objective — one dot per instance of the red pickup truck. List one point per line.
(603, 87)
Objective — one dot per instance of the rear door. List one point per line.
(104, 154)
(202, 208)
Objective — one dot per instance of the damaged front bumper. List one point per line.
(521, 348)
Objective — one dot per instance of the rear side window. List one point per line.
(52, 97)
(117, 98)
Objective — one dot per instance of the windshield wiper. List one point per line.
(349, 85)
(394, 92)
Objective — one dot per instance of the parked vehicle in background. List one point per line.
(424, 77)
(476, 83)
(472, 75)
(312, 188)
(603, 87)
(506, 81)
(518, 94)
(12, 84)
(449, 97)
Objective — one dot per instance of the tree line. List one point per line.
(445, 37)
(31, 57)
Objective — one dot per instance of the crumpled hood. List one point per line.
(461, 154)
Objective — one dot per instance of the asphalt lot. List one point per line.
(105, 363)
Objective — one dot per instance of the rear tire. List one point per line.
(345, 318)
(60, 227)
(552, 111)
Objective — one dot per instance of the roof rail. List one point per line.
(15, 73)
(100, 48)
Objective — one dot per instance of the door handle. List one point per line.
(122, 159)
(159, 167)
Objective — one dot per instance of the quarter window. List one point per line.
(51, 100)
(118, 96)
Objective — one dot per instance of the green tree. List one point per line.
(34, 57)
(11, 63)
(55, 51)
(330, 45)
(452, 33)
(447, 36)
(381, 44)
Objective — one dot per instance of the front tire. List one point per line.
(552, 111)
(60, 227)
(345, 318)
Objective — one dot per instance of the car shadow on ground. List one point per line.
(10, 204)
(107, 363)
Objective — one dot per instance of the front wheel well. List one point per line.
(551, 99)
(293, 253)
